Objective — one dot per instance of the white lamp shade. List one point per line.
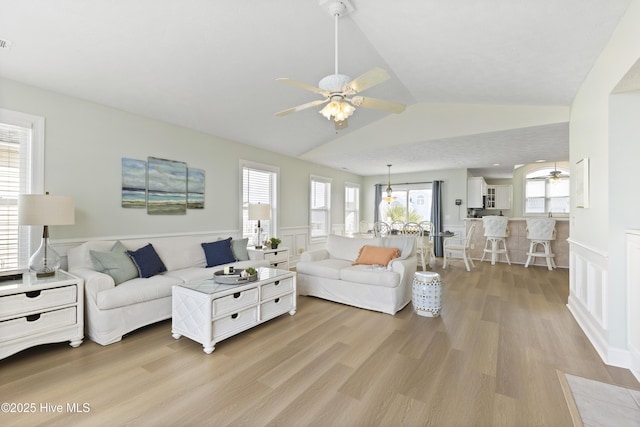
(259, 211)
(44, 209)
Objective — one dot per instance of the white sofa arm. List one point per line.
(401, 266)
(94, 281)
(314, 255)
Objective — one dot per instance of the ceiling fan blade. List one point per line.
(342, 124)
(368, 79)
(303, 86)
(378, 104)
(301, 107)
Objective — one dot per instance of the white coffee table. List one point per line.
(209, 312)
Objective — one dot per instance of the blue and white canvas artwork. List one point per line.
(166, 187)
(195, 189)
(134, 183)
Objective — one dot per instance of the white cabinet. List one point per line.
(498, 197)
(278, 258)
(44, 310)
(476, 189)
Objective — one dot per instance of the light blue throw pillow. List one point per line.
(116, 263)
(239, 248)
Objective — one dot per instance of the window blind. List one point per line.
(257, 187)
(14, 146)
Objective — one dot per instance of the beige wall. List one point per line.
(84, 145)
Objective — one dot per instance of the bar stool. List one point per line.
(541, 231)
(496, 232)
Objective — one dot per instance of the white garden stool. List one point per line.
(427, 293)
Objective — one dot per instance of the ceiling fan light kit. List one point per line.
(339, 90)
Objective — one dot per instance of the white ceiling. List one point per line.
(461, 67)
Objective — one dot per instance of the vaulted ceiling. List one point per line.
(485, 81)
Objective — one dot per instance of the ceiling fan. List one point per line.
(554, 176)
(339, 91)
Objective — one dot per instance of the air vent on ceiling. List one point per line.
(5, 44)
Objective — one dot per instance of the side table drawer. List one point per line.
(276, 256)
(37, 300)
(282, 265)
(29, 325)
(276, 288)
(231, 303)
(235, 322)
(276, 307)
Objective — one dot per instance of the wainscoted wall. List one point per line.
(588, 299)
(297, 240)
(633, 300)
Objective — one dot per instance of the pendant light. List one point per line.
(389, 198)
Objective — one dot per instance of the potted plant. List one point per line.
(275, 242)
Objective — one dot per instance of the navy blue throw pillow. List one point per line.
(147, 261)
(218, 253)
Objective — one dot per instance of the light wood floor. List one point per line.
(491, 359)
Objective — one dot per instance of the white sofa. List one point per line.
(112, 311)
(330, 274)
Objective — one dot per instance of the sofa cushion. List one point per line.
(136, 291)
(348, 248)
(147, 261)
(218, 253)
(116, 263)
(377, 255)
(328, 268)
(239, 248)
(370, 275)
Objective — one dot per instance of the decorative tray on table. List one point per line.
(234, 277)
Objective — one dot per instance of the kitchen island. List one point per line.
(518, 244)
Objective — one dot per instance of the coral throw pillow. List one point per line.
(376, 255)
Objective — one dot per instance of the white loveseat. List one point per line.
(114, 310)
(330, 274)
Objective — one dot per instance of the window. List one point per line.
(259, 184)
(320, 206)
(21, 172)
(412, 204)
(543, 195)
(351, 208)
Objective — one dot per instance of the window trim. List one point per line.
(29, 236)
(274, 223)
(312, 179)
(347, 185)
(542, 167)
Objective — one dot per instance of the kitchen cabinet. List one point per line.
(476, 189)
(498, 197)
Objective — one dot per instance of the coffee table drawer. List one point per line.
(29, 325)
(276, 307)
(276, 288)
(231, 303)
(231, 323)
(31, 301)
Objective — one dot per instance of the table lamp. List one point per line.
(45, 210)
(259, 212)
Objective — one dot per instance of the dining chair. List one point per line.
(428, 235)
(380, 229)
(397, 227)
(457, 246)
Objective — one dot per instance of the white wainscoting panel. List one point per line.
(297, 240)
(633, 300)
(588, 293)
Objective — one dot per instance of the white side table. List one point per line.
(278, 258)
(40, 311)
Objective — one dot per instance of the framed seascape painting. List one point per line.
(166, 187)
(134, 183)
(195, 188)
